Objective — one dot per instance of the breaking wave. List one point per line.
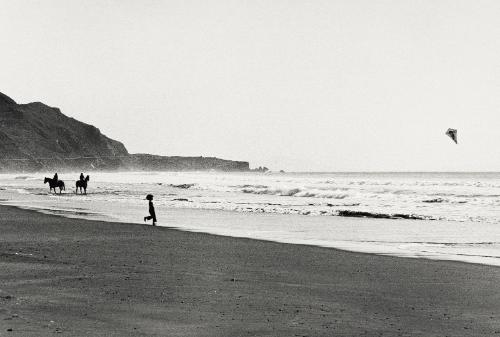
(296, 192)
(431, 201)
(183, 186)
(250, 186)
(360, 214)
(402, 196)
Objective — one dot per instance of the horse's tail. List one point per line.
(63, 186)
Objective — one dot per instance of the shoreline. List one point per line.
(68, 215)
(177, 217)
(83, 278)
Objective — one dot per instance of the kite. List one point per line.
(452, 133)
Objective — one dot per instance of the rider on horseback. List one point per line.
(82, 183)
(55, 182)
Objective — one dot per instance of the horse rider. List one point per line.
(82, 178)
(56, 178)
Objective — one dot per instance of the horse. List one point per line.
(82, 184)
(53, 184)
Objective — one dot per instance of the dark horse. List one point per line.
(53, 184)
(82, 184)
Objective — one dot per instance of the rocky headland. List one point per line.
(37, 137)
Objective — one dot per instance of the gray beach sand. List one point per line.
(90, 278)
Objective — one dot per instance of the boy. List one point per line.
(152, 214)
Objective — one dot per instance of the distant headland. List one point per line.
(36, 137)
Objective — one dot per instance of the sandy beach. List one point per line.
(90, 278)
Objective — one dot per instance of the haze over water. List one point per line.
(296, 207)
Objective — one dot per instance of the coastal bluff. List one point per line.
(37, 137)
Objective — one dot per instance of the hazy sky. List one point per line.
(295, 85)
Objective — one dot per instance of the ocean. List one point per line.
(448, 216)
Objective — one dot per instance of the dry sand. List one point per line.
(89, 278)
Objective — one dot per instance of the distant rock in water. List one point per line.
(36, 137)
(261, 169)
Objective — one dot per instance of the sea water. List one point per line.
(454, 216)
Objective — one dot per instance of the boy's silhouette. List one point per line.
(152, 214)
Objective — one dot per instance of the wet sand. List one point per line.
(90, 278)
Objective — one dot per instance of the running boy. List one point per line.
(152, 214)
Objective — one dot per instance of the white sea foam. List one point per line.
(300, 207)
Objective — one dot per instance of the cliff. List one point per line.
(161, 163)
(35, 137)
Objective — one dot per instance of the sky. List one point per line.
(351, 85)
